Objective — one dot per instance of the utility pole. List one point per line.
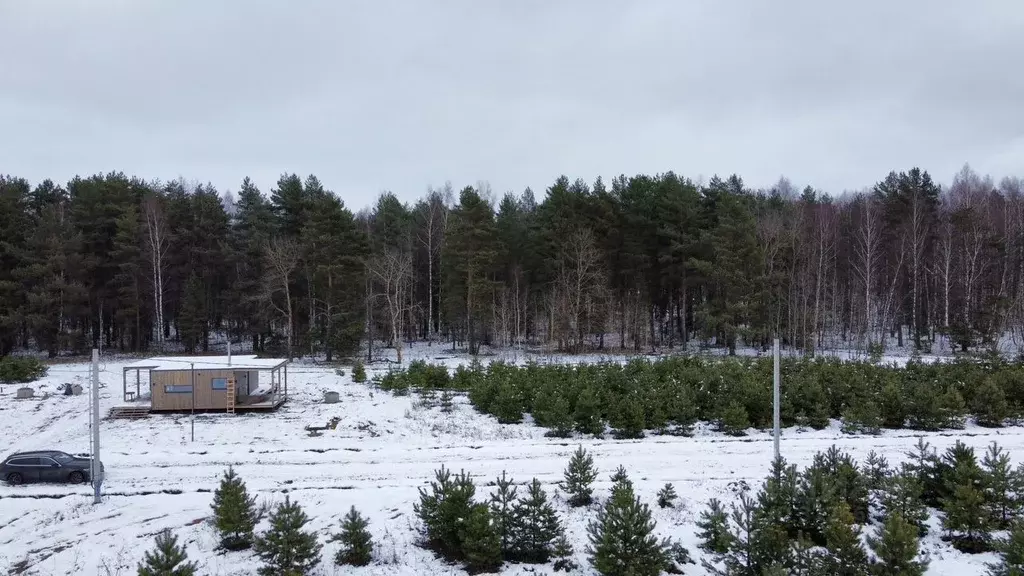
(95, 471)
(777, 400)
(192, 419)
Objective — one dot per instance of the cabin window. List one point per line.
(177, 389)
(220, 383)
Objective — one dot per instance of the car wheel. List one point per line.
(14, 478)
(76, 477)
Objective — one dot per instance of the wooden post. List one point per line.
(95, 471)
(776, 393)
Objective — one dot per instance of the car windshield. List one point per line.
(61, 457)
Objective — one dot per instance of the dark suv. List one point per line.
(46, 466)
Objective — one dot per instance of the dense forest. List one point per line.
(636, 263)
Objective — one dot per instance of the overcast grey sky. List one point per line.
(399, 95)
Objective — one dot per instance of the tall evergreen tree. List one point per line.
(54, 298)
(192, 319)
(335, 249)
(291, 204)
(468, 260)
(14, 222)
(732, 252)
(252, 228)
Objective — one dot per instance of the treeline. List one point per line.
(642, 262)
(670, 395)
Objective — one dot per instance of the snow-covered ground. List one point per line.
(384, 448)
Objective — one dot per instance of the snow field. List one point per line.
(384, 449)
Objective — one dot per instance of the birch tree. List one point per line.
(393, 271)
(282, 259)
(157, 247)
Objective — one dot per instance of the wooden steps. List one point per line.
(128, 413)
(230, 393)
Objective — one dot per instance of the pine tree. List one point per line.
(989, 403)
(622, 542)
(444, 511)
(732, 253)
(356, 542)
(235, 513)
(845, 556)
(559, 417)
(896, 547)
(952, 408)
(903, 496)
(535, 526)
(875, 471)
(998, 484)
(779, 500)
(335, 248)
(192, 318)
(620, 480)
(777, 516)
(588, 416)
(967, 518)
(807, 560)
(467, 261)
(733, 420)
(358, 372)
(714, 534)
(667, 496)
(579, 476)
(813, 504)
(676, 556)
(481, 544)
(1011, 554)
(503, 502)
(507, 406)
(741, 557)
(628, 419)
(863, 415)
(446, 401)
(563, 554)
(286, 549)
(168, 559)
(923, 463)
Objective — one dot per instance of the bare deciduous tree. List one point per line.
(158, 245)
(431, 236)
(867, 252)
(393, 272)
(581, 283)
(282, 256)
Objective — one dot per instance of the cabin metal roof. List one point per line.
(186, 363)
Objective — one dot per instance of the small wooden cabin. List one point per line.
(185, 383)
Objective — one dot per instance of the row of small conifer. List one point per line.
(286, 547)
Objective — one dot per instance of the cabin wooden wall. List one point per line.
(206, 398)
